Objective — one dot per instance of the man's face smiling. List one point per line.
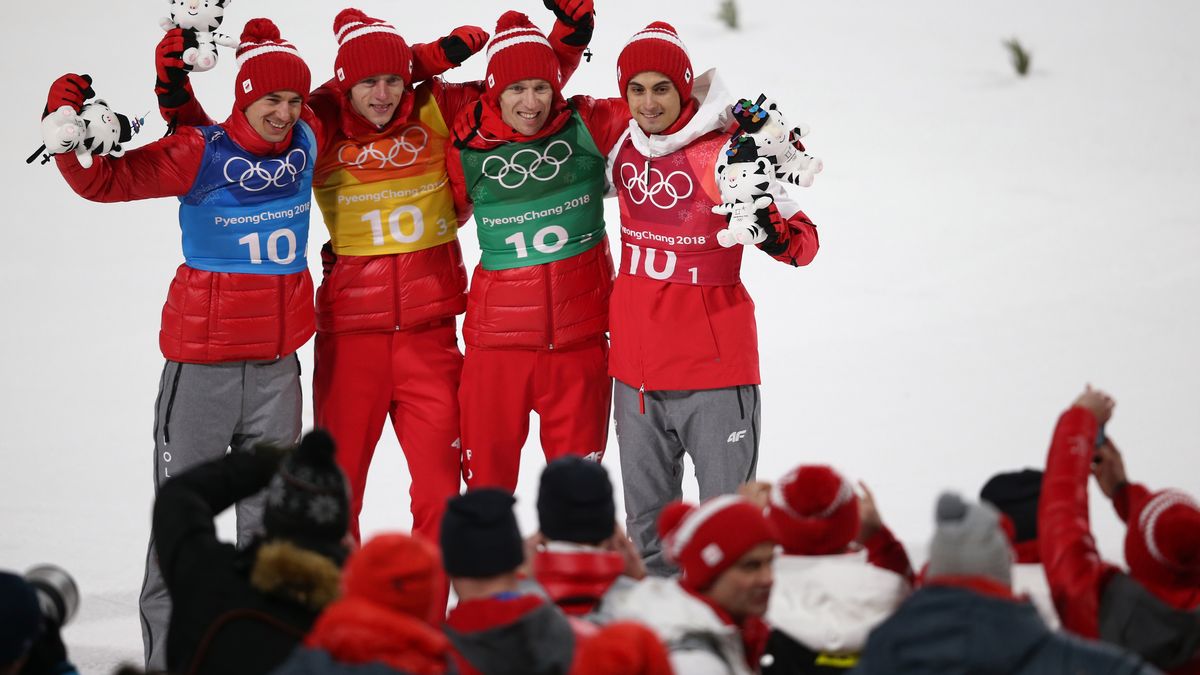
(525, 105)
(653, 101)
(274, 115)
(378, 97)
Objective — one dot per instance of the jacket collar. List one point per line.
(244, 135)
(709, 112)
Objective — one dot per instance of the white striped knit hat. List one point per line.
(267, 63)
(519, 51)
(656, 48)
(1162, 538)
(368, 47)
(708, 539)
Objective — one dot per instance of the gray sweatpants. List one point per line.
(202, 412)
(717, 427)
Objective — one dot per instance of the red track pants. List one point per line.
(569, 389)
(411, 376)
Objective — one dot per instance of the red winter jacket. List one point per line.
(548, 306)
(576, 581)
(209, 317)
(678, 336)
(355, 631)
(393, 291)
(1077, 576)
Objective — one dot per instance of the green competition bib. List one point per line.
(537, 201)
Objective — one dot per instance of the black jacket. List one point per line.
(956, 631)
(233, 612)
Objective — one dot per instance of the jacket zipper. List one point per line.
(282, 317)
(549, 307)
(171, 405)
(642, 399)
(395, 290)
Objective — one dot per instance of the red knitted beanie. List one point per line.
(267, 63)
(1162, 540)
(519, 51)
(656, 48)
(708, 539)
(368, 47)
(815, 511)
(398, 571)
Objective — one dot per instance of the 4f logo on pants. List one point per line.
(737, 436)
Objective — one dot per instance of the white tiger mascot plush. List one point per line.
(201, 19)
(96, 130)
(745, 183)
(763, 121)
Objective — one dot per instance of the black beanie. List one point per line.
(1016, 495)
(307, 501)
(575, 501)
(480, 537)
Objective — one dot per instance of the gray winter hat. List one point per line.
(969, 541)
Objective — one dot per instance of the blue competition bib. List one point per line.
(246, 213)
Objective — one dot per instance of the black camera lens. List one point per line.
(58, 596)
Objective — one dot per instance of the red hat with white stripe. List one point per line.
(368, 47)
(1162, 539)
(519, 51)
(708, 539)
(267, 63)
(656, 48)
(815, 511)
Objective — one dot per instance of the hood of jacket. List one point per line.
(830, 603)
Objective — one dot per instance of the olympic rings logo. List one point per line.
(258, 176)
(527, 163)
(669, 186)
(409, 143)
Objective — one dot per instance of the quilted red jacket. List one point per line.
(549, 306)
(209, 317)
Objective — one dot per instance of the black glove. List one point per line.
(172, 86)
(462, 42)
(578, 14)
(70, 90)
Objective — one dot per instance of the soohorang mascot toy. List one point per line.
(199, 19)
(764, 122)
(745, 180)
(94, 130)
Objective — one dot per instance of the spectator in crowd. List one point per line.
(710, 618)
(29, 644)
(381, 625)
(1016, 494)
(965, 618)
(623, 648)
(243, 611)
(1154, 609)
(842, 573)
(580, 554)
(496, 627)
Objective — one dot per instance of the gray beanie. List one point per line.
(969, 541)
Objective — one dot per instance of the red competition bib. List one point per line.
(668, 229)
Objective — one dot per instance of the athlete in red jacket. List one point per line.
(684, 342)
(532, 166)
(394, 278)
(1154, 609)
(241, 303)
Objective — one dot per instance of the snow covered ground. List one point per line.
(989, 244)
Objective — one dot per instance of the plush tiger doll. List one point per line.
(763, 121)
(95, 130)
(200, 19)
(744, 179)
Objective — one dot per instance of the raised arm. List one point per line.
(573, 25)
(434, 58)
(1074, 569)
(176, 102)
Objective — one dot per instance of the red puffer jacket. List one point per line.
(396, 291)
(209, 317)
(548, 306)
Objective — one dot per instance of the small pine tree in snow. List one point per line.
(728, 13)
(1020, 57)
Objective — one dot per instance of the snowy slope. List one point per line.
(989, 244)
